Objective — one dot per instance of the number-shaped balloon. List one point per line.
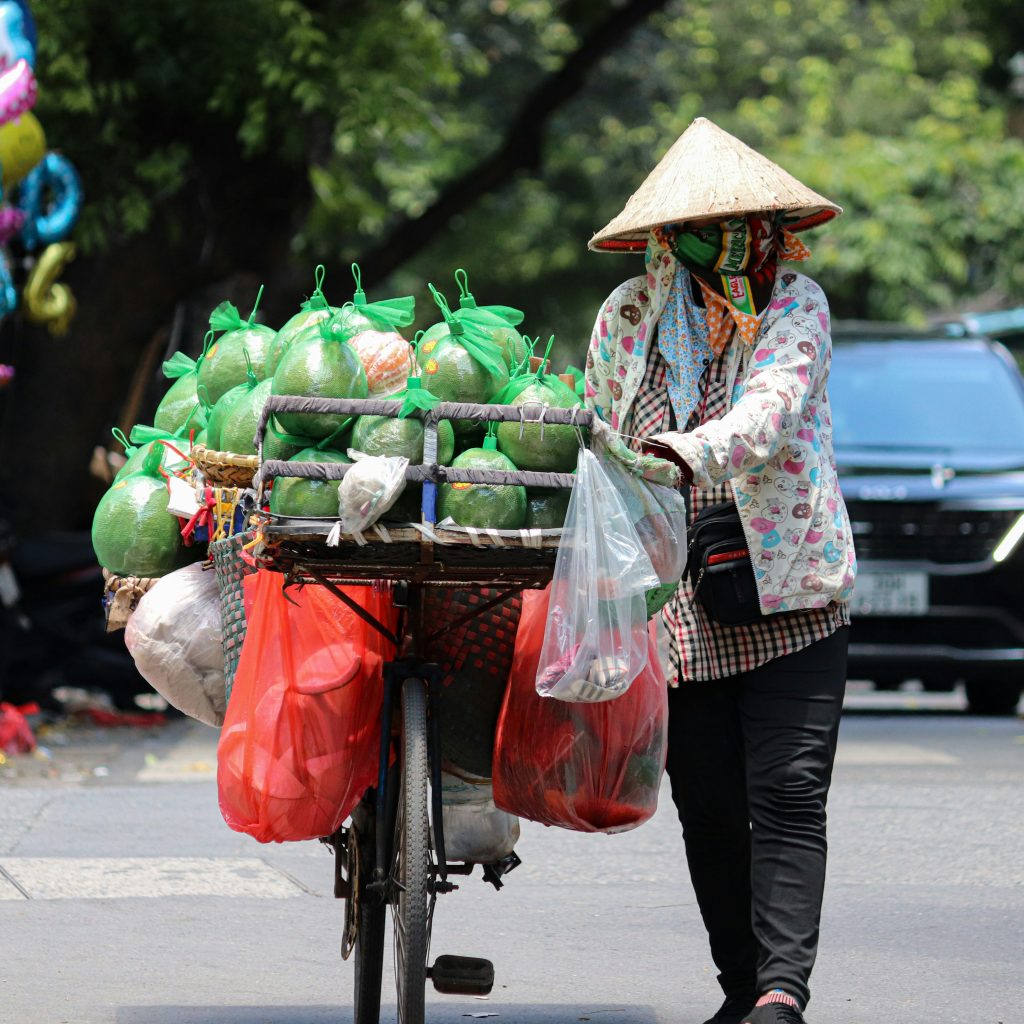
(47, 301)
(51, 197)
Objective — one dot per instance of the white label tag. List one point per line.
(182, 501)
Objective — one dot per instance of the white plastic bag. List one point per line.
(175, 638)
(474, 829)
(595, 642)
(369, 489)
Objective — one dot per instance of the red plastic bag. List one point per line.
(586, 767)
(301, 736)
(16, 736)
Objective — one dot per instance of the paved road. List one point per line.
(125, 900)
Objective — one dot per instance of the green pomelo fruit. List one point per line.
(546, 507)
(312, 499)
(171, 461)
(276, 445)
(179, 404)
(133, 534)
(224, 365)
(450, 372)
(483, 505)
(201, 437)
(318, 368)
(219, 413)
(383, 435)
(238, 433)
(545, 448)
(291, 331)
(503, 334)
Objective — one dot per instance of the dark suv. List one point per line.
(929, 438)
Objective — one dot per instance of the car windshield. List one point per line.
(924, 396)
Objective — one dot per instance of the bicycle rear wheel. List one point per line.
(368, 914)
(410, 873)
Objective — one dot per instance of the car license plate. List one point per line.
(890, 593)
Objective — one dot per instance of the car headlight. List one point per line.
(1011, 539)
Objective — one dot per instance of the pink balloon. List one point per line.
(11, 221)
(17, 91)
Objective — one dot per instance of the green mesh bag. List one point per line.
(535, 446)
(497, 322)
(484, 506)
(179, 404)
(173, 454)
(312, 312)
(244, 344)
(238, 433)
(383, 315)
(323, 365)
(311, 499)
(133, 534)
(403, 436)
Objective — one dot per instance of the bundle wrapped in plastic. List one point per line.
(238, 429)
(243, 346)
(497, 322)
(181, 404)
(301, 736)
(586, 767)
(387, 358)
(174, 636)
(484, 506)
(133, 533)
(539, 446)
(461, 364)
(595, 642)
(311, 499)
(312, 312)
(475, 830)
(403, 435)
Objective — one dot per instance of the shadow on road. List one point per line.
(549, 1013)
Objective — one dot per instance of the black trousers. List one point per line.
(750, 761)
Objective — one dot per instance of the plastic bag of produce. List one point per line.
(367, 491)
(311, 499)
(595, 643)
(320, 364)
(238, 428)
(175, 638)
(483, 506)
(181, 404)
(313, 311)
(301, 736)
(403, 435)
(387, 358)
(133, 534)
(498, 322)
(539, 446)
(586, 767)
(462, 364)
(243, 346)
(174, 449)
(383, 315)
(474, 829)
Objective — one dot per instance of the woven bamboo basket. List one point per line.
(231, 569)
(225, 469)
(121, 596)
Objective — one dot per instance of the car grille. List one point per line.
(896, 531)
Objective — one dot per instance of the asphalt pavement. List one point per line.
(124, 899)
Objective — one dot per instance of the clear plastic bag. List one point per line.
(474, 829)
(369, 489)
(585, 767)
(595, 643)
(175, 638)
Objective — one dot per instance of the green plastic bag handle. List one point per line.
(227, 318)
(179, 365)
(129, 448)
(473, 338)
(317, 300)
(467, 303)
(398, 312)
(414, 397)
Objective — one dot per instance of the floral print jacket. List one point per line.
(774, 445)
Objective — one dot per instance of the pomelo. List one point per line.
(224, 365)
(547, 448)
(484, 506)
(546, 507)
(387, 359)
(508, 340)
(171, 461)
(318, 367)
(180, 405)
(221, 410)
(279, 444)
(291, 331)
(133, 534)
(384, 435)
(293, 496)
(238, 432)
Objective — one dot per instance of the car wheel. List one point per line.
(993, 697)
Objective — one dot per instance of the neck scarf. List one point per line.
(735, 263)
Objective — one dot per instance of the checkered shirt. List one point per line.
(700, 648)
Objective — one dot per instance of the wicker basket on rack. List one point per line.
(225, 469)
(121, 596)
(231, 569)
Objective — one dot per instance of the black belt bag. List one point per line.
(719, 568)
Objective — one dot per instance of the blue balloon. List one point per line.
(17, 33)
(8, 293)
(56, 175)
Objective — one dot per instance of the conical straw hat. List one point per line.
(710, 173)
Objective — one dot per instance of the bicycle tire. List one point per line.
(371, 916)
(411, 869)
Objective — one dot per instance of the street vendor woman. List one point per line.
(718, 359)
